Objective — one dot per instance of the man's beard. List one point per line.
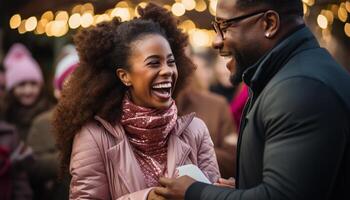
(236, 78)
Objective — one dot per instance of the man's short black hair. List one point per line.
(286, 6)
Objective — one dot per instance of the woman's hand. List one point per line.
(230, 183)
(153, 196)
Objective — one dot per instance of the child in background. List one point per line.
(24, 86)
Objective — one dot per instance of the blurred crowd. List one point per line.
(29, 164)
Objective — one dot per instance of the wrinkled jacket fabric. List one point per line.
(103, 165)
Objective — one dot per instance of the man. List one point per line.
(294, 139)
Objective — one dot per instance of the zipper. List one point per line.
(246, 109)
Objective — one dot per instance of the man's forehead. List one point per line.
(226, 9)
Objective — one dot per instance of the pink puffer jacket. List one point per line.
(103, 165)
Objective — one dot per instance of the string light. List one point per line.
(83, 15)
(201, 6)
(15, 21)
(189, 4)
(178, 9)
(31, 23)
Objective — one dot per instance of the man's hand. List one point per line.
(174, 188)
(153, 196)
(229, 183)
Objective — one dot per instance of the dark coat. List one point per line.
(294, 140)
(14, 184)
(44, 171)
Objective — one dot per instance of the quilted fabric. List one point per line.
(103, 165)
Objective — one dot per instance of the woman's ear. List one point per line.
(123, 75)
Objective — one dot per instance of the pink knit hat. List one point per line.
(20, 66)
(65, 67)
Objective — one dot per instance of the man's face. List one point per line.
(242, 39)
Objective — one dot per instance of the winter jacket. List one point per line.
(294, 140)
(44, 171)
(214, 111)
(103, 165)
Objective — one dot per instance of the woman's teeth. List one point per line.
(162, 86)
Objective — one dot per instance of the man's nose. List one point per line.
(217, 42)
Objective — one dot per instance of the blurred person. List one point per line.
(44, 172)
(14, 157)
(116, 122)
(25, 98)
(2, 84)
(237, 104)
(294, 134)
(212, 109)
(222, 84)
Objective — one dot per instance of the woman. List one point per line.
(117, 123)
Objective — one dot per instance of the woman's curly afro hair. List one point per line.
(94, 88)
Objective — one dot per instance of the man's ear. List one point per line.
(123, 75)
(272, 23)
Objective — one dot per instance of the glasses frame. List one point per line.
(217, 26)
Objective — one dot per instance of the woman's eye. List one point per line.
(171, 62)
(153, 63)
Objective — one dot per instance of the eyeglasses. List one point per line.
(220, 27)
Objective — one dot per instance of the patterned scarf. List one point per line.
(147, 130)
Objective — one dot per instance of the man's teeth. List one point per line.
(162, 85)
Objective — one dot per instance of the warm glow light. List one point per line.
(347, 6)
(167, 7)
(305, 9)
(22, 28)
(87, 20)
(342, 14)
(15, 21)
(74, 21)
(48, 29)
(201, 6)
(187, 25)
(178, 9)
(212, 7)
(200, 38)
(347, 29)
(322, 21)
(62, 15)
(142, 5)
(122, 4)
(31, 23)
(309, 2)
(123, 13)
(329, 15)
(189, 4)
(47, 15)
(77, 9)
(40, 29)
(59, 28)
(102, 18)
(87, 8)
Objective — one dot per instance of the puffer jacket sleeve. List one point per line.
(207, 160)
(89, 180)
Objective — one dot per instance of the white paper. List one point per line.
(194, 172)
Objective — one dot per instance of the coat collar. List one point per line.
(178, 151)
(258, 75)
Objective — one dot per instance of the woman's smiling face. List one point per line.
(153, 73)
